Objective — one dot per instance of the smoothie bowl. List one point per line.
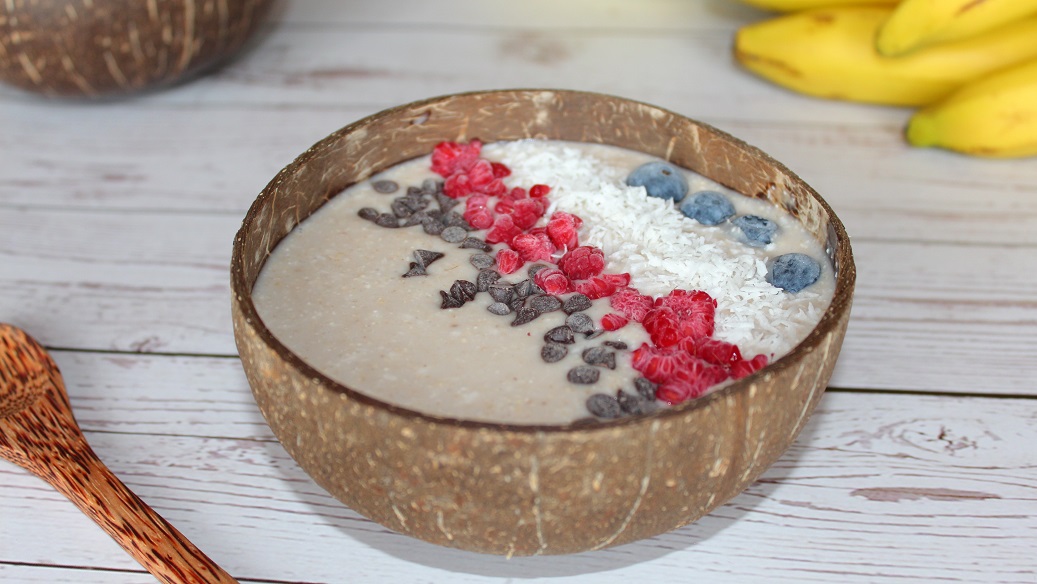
(505, 340)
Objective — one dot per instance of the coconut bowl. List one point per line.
(112, 47)
(527, 490)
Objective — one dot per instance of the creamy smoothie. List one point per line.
(414, 288)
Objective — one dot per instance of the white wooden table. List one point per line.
(116, 221)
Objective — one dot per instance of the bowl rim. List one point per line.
(845, 280)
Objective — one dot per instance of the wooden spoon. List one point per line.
(38, 432)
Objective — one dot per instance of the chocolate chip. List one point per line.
(425, 257)
(599, 356)
(527, 288)
(445, 202)
(633, 403)
(532, 271)
(516, 304)
(579, 322)
(553, 352)
(431, 186)
(482, 261)
(387, 220)
(544, 303)
(401, 209)
(432, 226)
(475, 243)
(385, 186)
(415, 219)
(499, 308)
(560, 334)
(501, 292)
(576, 303)
(414, 192)
(583, 375)
(454, 219)
(413, 202)
(368, 213)
(453, 234)
(463, 290)
(618, 345)
(645, 388)
(604, 406)
(415, 270)
(524, 315)
(450, 301)
(593, 334)
(485, 278)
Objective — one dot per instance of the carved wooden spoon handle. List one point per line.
(150, 539)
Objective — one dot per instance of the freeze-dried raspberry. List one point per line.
(500, 170)
(655, 364)
(562, 228)
(537, 191)
(632, 303)
(483, 180)
(508, 261)
(479, 217)
(694, 310)
(503, 230)
(712, 351)
(552, 281)
(744, 367)
(613, 321)
(504, 205)
(458, 185)
(618, 280)
(451, 157)
(582, 262)
(526, 212)
(533, 248)
(595, 288)
(662, 326)
(692, 378)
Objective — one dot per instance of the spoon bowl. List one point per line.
(39, 433)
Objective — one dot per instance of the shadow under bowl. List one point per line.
(525, 490)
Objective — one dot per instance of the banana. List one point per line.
(797, 5)
(919, 23)
(830, 52)
(995, 116)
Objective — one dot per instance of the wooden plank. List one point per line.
(878, 488)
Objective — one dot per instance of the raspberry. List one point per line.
(562, 227)
(526, 213)
(595, 288)
(583, 262)
(690, 379)
(631, 303)
(508, 261)
(500, 170)
(483, 180)
(655, 364)
(619, 280)
(552, 281)
(517, 193)
(537, 191)
(662, 326)
(479, 217)
(743, 367)
(505, 205)
(712, 351)
(458, 185)
(450, 157)
(503, 230)
(613, 321)
(532, 248)
(695, 312)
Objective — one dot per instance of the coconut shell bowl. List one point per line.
(528, 490)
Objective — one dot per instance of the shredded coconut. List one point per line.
(663, 250)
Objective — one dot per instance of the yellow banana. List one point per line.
(919, 23)
(797, 5)
(995, 116)
(830, 52)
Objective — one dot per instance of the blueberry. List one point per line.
(660, 179)
(793, 271)
(757, 230)
(707, 207)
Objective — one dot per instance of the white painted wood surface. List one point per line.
(116, 221)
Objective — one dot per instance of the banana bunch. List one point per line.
(970, 65)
